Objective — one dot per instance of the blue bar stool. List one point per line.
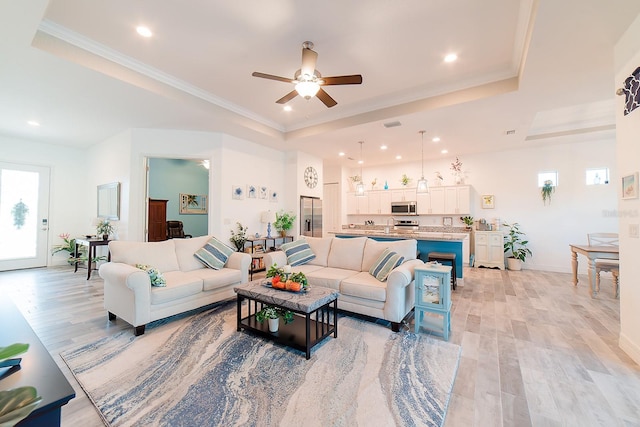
(446, 258)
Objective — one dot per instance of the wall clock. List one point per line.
(311, 177)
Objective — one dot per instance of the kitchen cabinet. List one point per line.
(379, 202)
(449, 200)
(489, 249)
(403, 195)
(357, 205)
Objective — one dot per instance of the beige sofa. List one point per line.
(128, 293)
(343, 264)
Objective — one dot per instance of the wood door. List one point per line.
(157, 220)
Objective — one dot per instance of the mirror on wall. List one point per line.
(109, 201)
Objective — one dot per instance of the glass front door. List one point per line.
(24, 213)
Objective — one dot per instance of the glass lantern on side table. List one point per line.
(433, 295)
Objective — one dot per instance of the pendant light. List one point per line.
(360, 185)
(423, 185)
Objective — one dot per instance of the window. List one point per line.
(548, 176)
(597, 176)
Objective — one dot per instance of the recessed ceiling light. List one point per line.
(341, 153)
(444, 151)
(436, 139)
(144, 31)
(398, 157)
(450, 57)
(360, 162)
(383, 147)
(33, 123)
(287, 108)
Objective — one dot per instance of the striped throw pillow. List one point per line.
(214, 254)
(387, 261)
(298, 252)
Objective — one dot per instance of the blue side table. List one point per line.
(433, 295)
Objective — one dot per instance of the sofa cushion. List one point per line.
(364, 285)
(329, 277)
(387, 261)
(298, 252)
(179, 285)
(215, 279)
(161, 255)
(185, 250)
(373, 248)
(346, 253)
(320, 247)
(157, 279)
(214, 254)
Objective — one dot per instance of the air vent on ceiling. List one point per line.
(511, 132)
(392, 124)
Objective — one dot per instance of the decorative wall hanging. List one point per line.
(547, 190)
(193, 204)
(252, 192)
(631, 91)
(630, 186)
(237, 192)
(19, 212)
(488, 201)
(263, 192)
(273, 196)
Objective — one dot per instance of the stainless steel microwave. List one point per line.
(403, 208)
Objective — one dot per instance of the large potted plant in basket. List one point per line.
(515, 246)
(284, 222)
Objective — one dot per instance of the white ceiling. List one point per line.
(542, 68)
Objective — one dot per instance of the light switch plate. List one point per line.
(633, 230)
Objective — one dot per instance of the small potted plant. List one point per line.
(273, 315)
(284, 222)
(547, 189)
(515, 246)
(239, 237)
(104, 229)
(468, 221)
(405, 180)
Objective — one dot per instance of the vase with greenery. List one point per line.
(468, 221)
(273, 315)
(547, 190)
(515, 246)
(239, 237)
(284, 222)
(405, 180)
(104, 229)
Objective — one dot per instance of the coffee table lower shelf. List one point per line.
(302, 334)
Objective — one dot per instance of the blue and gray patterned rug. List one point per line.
(198, 370)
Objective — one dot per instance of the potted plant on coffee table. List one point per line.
(515, 246)
(273, 315)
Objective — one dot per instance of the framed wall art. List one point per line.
(488, 201)
(193, 204)
(263, 192)
(237, 192)
(630, 186)
(252, 191)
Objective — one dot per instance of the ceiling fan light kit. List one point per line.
(308, 80)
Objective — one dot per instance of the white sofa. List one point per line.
(128, 293)
(343, 264)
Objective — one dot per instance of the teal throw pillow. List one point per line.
(157, 279)
(214, 254)
(298, 252)
(387, 261)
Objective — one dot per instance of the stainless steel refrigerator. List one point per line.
(310, 216)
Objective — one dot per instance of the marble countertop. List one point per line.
(418, 235)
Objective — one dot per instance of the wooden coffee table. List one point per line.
(312, 320)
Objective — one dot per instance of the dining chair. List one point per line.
(609, 265)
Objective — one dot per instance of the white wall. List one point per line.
(627, 57)
(69, 206)
(511, 176)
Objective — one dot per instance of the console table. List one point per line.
(253, 268)
(90, 243)
(37, 369)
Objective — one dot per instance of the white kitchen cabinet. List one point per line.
(379, 202)
(403, 195)
(449, 200)
(489, 249)
(357, 205)
(423, 204)
(437, 200)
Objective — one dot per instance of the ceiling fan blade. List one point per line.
(288, 97)
(309, 58)
(271, 77)
(355, 79)
(326, 99)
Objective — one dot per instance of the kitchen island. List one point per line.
(428, 241)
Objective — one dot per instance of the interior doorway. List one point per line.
(184, 184)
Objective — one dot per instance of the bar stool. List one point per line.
(446, 257)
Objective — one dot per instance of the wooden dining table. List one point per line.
(592, 253)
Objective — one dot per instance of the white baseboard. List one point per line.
(629, 347)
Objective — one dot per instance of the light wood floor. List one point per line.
(535, 350)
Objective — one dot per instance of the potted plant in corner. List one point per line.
(284, 222)
(516, 247)
(273, 315)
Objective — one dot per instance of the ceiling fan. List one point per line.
(307, 79)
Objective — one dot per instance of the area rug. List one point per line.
(197, 370)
